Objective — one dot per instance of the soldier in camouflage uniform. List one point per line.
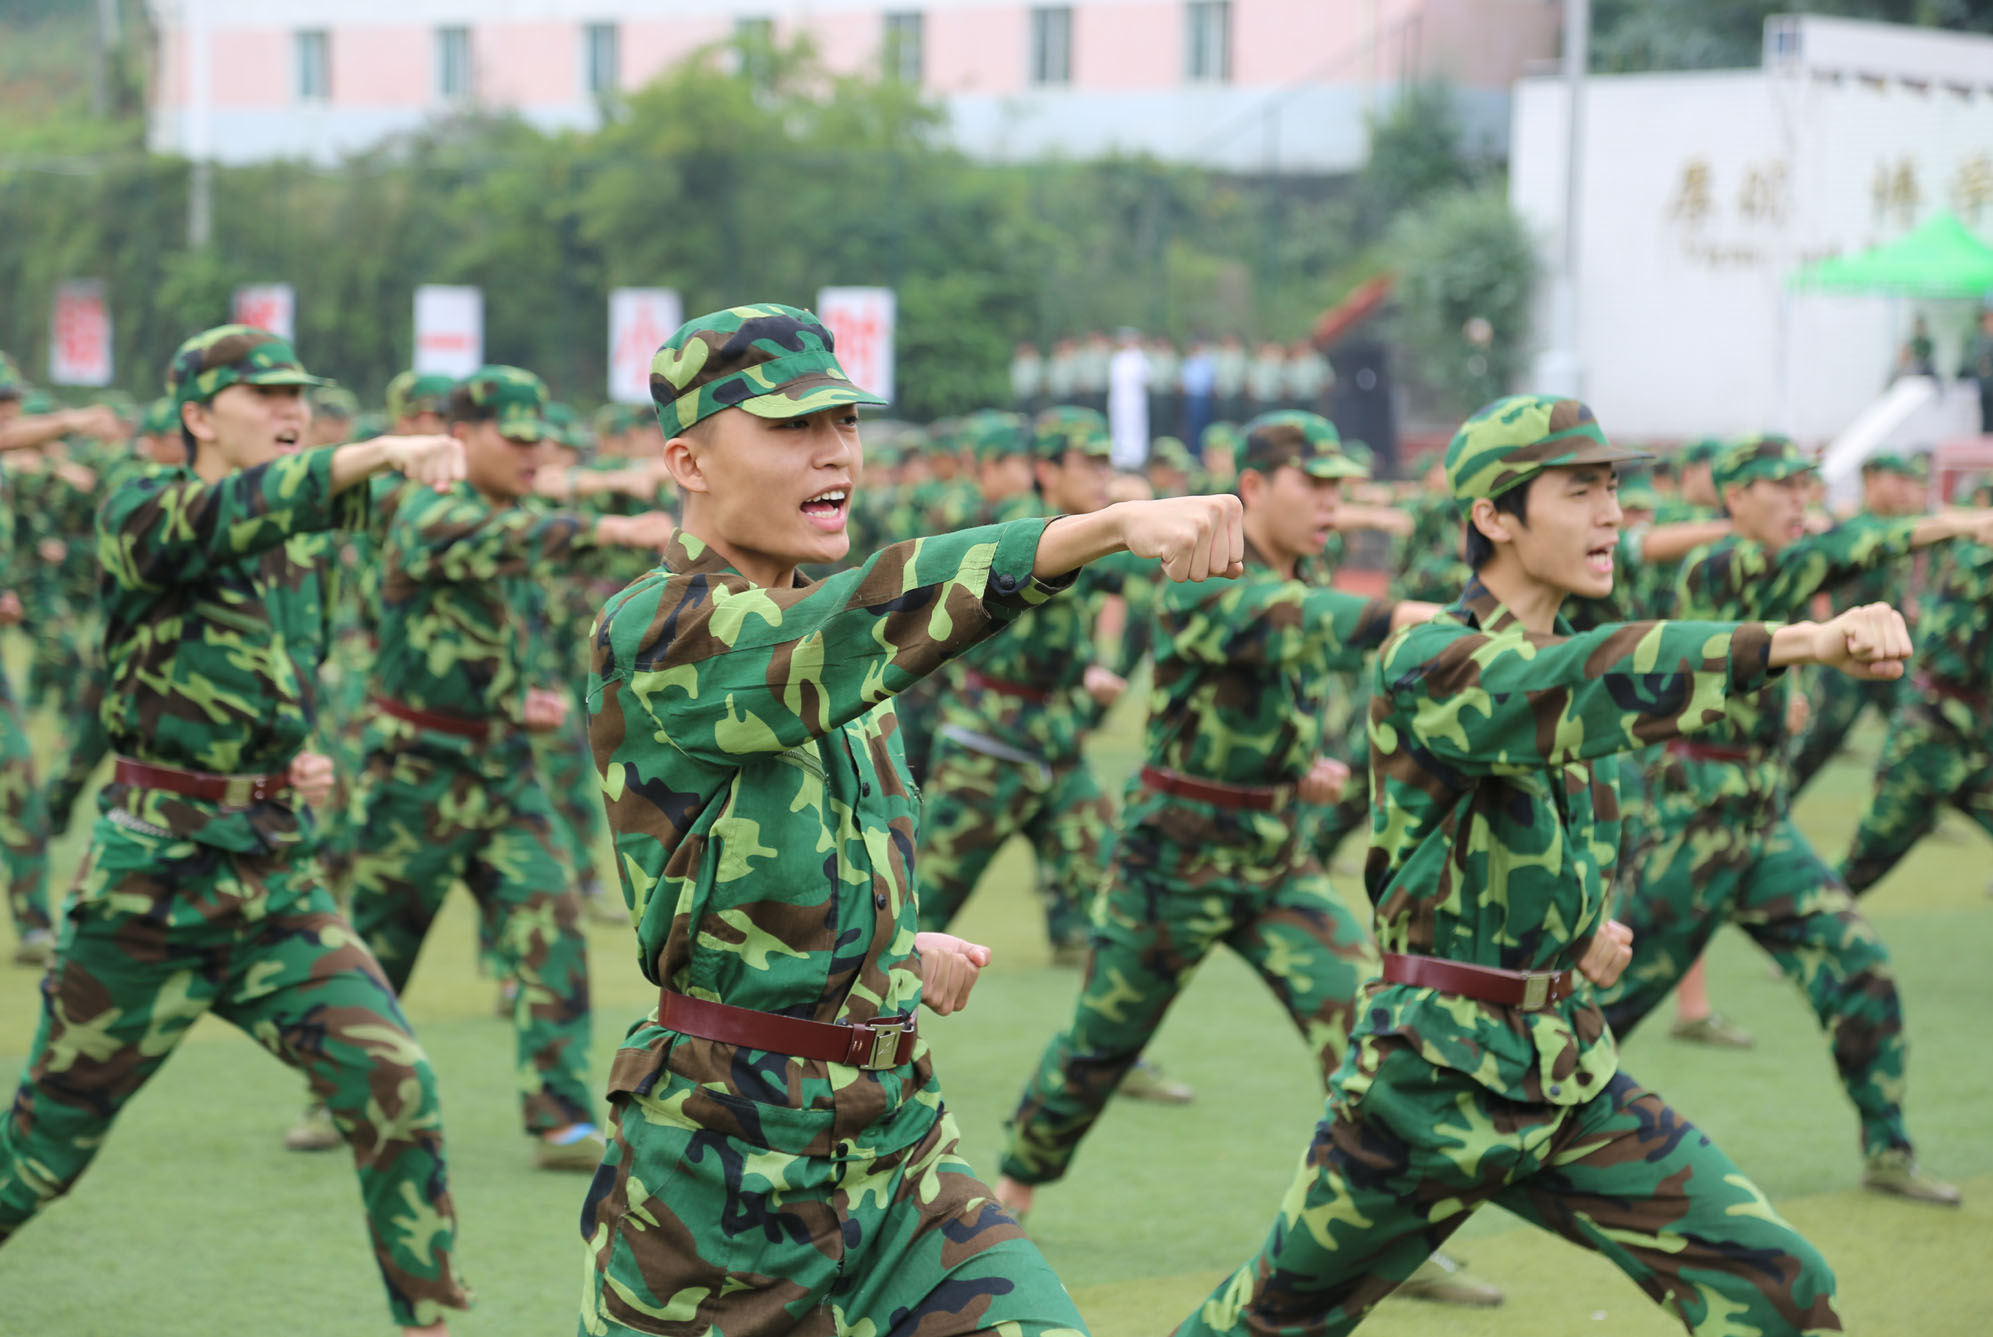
(1940, 745)
(464, 677)
(200, 892)
(782, 1160)
(1724, 845)
(1480, 1071)
(1212, 848)
(1892, 487)
(1006, 758)
(333, 409)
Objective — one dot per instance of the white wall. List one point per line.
(1687, 327)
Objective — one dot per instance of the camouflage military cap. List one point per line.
(161, 416)
(1702, 451)
(613, 420)
(992, 434)
(1171, 453)
(1066, 427)
(333, 401)
(516, 398)
(38, 401)
(1896, 462)
(368, 426)
(773, 361)
(1361, 452)
(1224, 435)
(566, 426)
(1308, 441)
(1517, 437)
(1638, 494)
(226, 355)
(1760, 457)
(414, 392)
(12, 384)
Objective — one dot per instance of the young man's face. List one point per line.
(248, 425)
(1891, 494)
(162, 448)
(1698, 487)
(777, 490)
(327, 430)
(1573, 529)
(1075, 484)
(1296, 513)
(494, 464)
(1004, 477)
(1770, 511)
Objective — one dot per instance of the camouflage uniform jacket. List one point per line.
(1432, 567)
(764, 820)
(462, 617)
(215, 624)
(1048, 651)
(1495, 816)
(1737, 579)
(1955, 637)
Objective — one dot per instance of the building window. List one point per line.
(1052, 44)
(453, 63)
(903, 48)
(1210, 41)
(598, 58)
(314, 66)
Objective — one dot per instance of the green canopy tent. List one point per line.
(1939, 258)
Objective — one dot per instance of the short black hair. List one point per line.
(1515, 502)
(465, 408)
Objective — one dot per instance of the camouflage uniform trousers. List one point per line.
(432, 820)
(1407, 1151)
(24, 831)
(160, 931)
(1743, 861)
(88, 745)
(692, 1232)
(973, 803)
(1348, 740)
(1166, 905)
(568, 763)
(344, 717)
(1938, 751)
(1837, 702)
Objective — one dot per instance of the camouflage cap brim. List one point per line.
(524, 428)
(1333, 466)
(283, 376)
(807, 394)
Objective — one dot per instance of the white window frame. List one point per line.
(906, 32)
(1051, 46)
(311, 53)
(1208, 34)
(595, 80)
(455, 36)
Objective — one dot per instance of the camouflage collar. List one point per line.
(1478, 607)
(686, 554)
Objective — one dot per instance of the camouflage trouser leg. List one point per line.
(1153, 926)
(23, 823)
(1927, 762)
(693, 1233)
(1407, 1152)
(1837, 702)
(1768, 881)
(568, 765)
(55, 669)
(154, 936)
(342, 736)
(430, 823)
(88, 746)
(973, 803)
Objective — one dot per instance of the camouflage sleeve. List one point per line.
(446, 538)
(166, 528)
(1743, 580)
(1510, 702)
(1263, 619)
(719, 668)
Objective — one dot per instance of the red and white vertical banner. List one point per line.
(268, 306)
(862, 321)
(640, 320)
(449, 330)
(79, 346)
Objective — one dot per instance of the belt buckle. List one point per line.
(886, 1043)
(1535, 992)
(241, 790)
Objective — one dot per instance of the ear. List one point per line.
(681, 458)
(1045, 471)
(198, 419)
(1252, 486)
(461, 430)
(1492, 524)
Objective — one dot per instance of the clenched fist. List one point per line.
(948, 969)
(437, 461)
(1609, 954)
(311, 777)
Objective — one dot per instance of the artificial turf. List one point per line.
(194, 1222)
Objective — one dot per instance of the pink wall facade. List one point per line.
(383, 67)
(256, 68)
(978, 50)
(527, 63)
(1128, 46)
(649, 46)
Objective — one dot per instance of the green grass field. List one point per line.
(195, 1223)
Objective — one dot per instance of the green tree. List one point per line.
(1463, 256)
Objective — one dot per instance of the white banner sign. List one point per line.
(268, 306)
(861, 320)
(449, 330)
(640, 320)
(79, 349)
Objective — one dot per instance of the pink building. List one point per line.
(1255, 85)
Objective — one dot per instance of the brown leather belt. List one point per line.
(1530, 990)
(1037, 696)
(462, 726)
(231, 791)
(886, 1043)
(1978, 701)
(1736, 756)
(1258, 798)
